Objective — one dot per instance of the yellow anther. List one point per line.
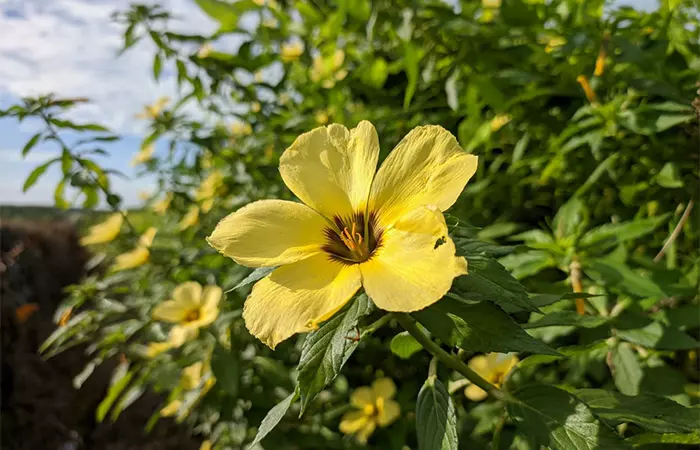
(359, 238)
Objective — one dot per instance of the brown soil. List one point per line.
(40, 408)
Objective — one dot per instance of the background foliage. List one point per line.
(582, 116)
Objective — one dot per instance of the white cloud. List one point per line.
(69, 47)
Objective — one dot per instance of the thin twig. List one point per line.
(676, 231)
(575, 271)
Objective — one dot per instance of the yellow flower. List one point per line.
(138, 256)
(328, 69)
(259, 76)
(192, 375)
(105, 231)
(152, 111)
(156, 348)
(494, 4)
(493, 367)
(291, 51)
(143, 156)
(590, 93)
(205, 50)
(206, 445)
(255, 107)
(270, 22)
(553, 42)
(208, 190)
(600, 62)
(375, 407)
(284, 98)
(190, 219)
(321, 117)
(171, 408)
(383, 232)
(241, 129)
(161, 206)
(144, 195)
(190, 309)
(500, 121)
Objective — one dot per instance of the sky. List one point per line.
(69, 47)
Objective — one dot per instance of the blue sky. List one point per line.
(69, 47)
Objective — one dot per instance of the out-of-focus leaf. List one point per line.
(646, 332)
(255, 275)
(404, 345)
(522, 265)
(36, 173)
(273, 417)
(627, 371)
(226, 366)
(615, 274)
(31, 143)
(451, 91)
(121, 377)
(227, 14)
(666, 438)
(566, 318)
(669, 177)
(436, 418)
(410, 58)
(621, 232)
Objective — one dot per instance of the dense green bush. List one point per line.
(578, 226)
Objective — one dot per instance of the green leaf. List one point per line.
(478, 327)
(666, 121)
(644, 331)
(66, 162)
(436, 418)
(557, 419)
(410, 58)
(377, 74)
(475, 247)
(157, 66)
(91, 197)
(519, 151)
(669, 177)
(570, 219)
(652, 412)
(31, 143)
(489, 280)
(621, 232)
(526, 264)
(652, 438)
(257, 274)
(616, 274)
(227, 14)
(120, 380)
(326, 350)
(36, 173)
(566, 318)
(626, 369)
(404, 345)
(273, 418)
(451, 91)
(226, 367)
(58, 196)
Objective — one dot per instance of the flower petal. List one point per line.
(129, 260)
(362, 397)
(211, 296)
(188, 294)
(270, 233)
(146, 239)
(415, 263)
(428, 167)
(364, 433)
(475, 393)
(384, 388)
(353, 422)
(105, 231)
(331, 168)
(180, 334)
(481, 364)
(295, 298)
(170, 311)
(388, 413)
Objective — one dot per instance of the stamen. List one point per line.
(359, 238)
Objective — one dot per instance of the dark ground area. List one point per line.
(40, 409)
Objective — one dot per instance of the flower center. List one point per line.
(353, 240)
(192, 315)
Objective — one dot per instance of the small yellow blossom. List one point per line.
(291, 51)
(241, 129)
(144, 195)
(171, 408)
(553, 42)
(270, 22)
(259, 76)
(152, 111)
(208, 190)
(499, 121)
(284, 98)
(156, 348)
(493, 4)
(192, 375)
(65, 317)
(205, 50)
(206, 445)
(138, 256)
(191, 308)
(328, 69)
(143, 156)
(322, 117)
(105, 231)
(190, 219)
(493, 367)
(259, 2)
(161, 206)
(590, 93)
(374, 407)
(382, 230)
(600, 62)
(255, 107)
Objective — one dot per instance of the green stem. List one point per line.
(450, 361)
(496, 442)
(374, 326)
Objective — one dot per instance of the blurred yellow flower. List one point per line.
(241, 129)
(284, 98)
(138, 256)
(255, 107)
(171, 408)
(105, 231)
(600, 62)
(493, 367)
(161, 206)
(499, 121)
(208, 190)
(144, 195)
(328, 69)
(375, 407)
(143, 156)
(321, 117)
(553, 42)
(156, 348)
(206, 445)
(152, 111)
(205, 50)
(259, 76)
(291, 51)
(493, 4)
(259, 2)
(270, 22)
(192, 375)
(590, 93)
(191, 308)
(384, 232)
(190, 219)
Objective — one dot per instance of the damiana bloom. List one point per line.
(587, 89)
(190, 309)
(375, 407)
(154, 110)
(328, 69)
(493, 367)
(255, 107)
(162, 205)
(205, 50)
(291, 51)
(383, 232)
(499, 121)
(206, 445)
(190, 219)
(171, 408)
(241, 129)
(105, 231)
(208, 190)
(600, 62)
(143, 156)
(138, 256)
